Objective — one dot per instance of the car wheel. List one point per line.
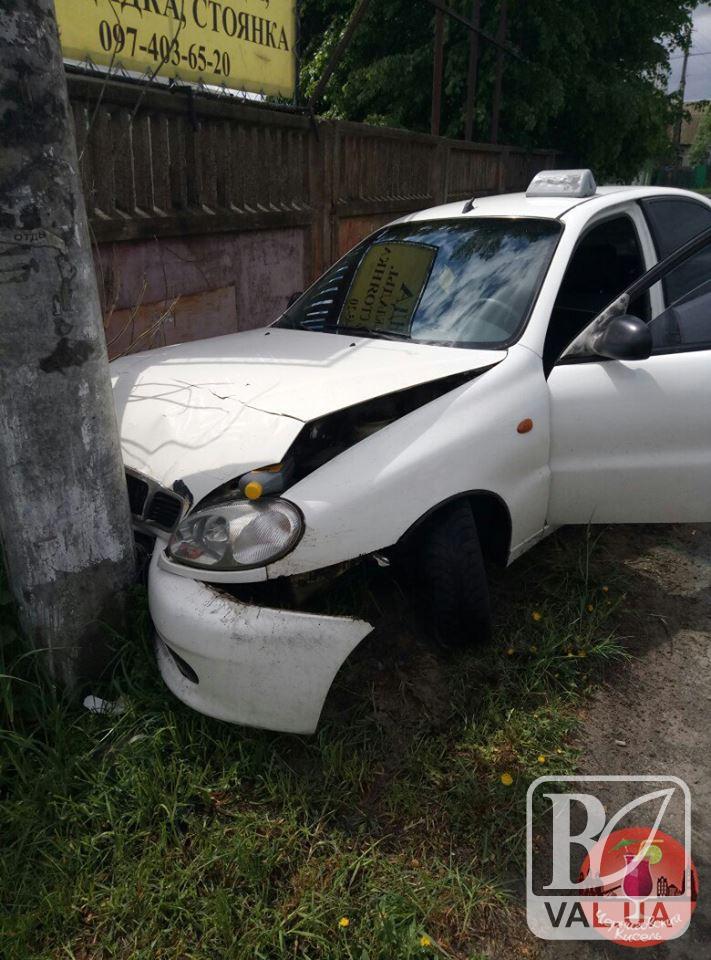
(454, 587)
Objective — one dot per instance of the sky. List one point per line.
(698, 73)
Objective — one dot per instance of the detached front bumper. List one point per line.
(257, 666)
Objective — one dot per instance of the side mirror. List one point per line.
(624, 338)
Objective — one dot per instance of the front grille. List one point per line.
(164, 509)
(152, 505)
(137, 493)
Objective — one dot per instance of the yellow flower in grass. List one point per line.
(536, 615)
(590, 608)
(605, 589)
(344, 922)
(541, 758)
(506, 779)
(510, 652)
(558, 750)
(425, 941)
(533, 648)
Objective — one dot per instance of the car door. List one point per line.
(631, 439)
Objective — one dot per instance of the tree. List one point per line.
(592, 84)
(64, 522)
(701, 147)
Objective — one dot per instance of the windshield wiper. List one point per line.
(358, 331)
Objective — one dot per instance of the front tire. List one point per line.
(454, 586)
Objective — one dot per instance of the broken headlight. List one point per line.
(237, 535)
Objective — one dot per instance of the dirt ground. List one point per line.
(659, 705)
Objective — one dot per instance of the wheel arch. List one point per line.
(492, 518)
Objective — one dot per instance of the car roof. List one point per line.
(553, 208)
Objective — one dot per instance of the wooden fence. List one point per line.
(157, 164)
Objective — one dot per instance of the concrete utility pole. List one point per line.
(682, 94)
(64, 517)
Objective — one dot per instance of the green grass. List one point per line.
(162, 834)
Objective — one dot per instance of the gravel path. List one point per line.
(660, 705)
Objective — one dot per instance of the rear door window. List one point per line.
(672, 221)
(685, 324)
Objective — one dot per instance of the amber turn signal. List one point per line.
(253, 490)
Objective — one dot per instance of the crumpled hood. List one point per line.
(206, 411)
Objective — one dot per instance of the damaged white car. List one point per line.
(459, 384)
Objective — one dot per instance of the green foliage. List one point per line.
(701, 147)
(591, 85)
(160, 833)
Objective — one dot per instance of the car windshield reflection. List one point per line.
(468, 283)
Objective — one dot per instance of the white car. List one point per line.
(462, 382)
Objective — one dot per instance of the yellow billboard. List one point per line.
(243, 44)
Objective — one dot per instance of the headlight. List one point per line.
(237, 535)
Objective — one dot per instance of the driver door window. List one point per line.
(605, 262)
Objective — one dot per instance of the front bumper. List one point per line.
(257, 666)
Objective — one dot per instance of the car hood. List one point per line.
(206, 411)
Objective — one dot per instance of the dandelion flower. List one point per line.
(510, 652)
(425, 941)
(590, 608)
(536, 615)
(541, 758)
(344, 922)
(506, 779)
(534, 648)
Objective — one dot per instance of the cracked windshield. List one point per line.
(460, 283)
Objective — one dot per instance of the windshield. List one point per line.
(466, 283)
